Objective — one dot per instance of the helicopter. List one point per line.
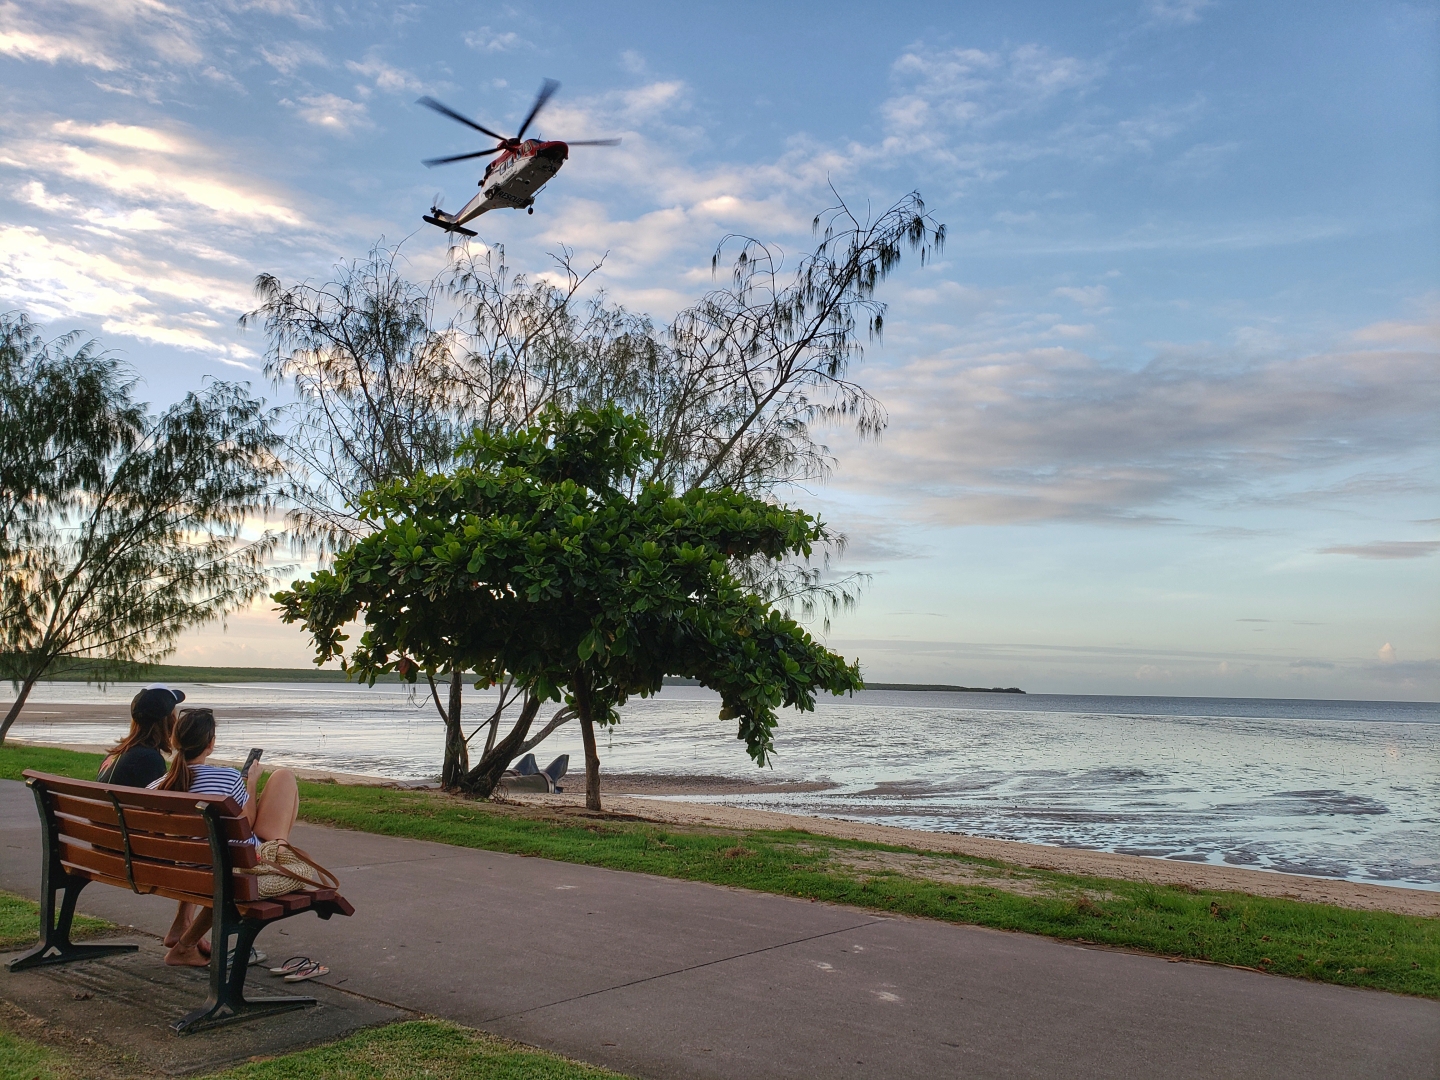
(514, 178)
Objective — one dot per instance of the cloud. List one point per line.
(1387, 653)
(492, 41)
(53, 48)
(333, 113)
(110, 36)
(1090, 297)
(992, 435)
(1179, 12)
(145, 165)
(387, 78)
(288, 57)
(1386, 549)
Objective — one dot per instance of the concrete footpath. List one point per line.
(669, 979)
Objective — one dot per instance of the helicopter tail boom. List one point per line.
(449, 225)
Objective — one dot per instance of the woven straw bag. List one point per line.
(283, 868)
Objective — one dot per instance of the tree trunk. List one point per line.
(480, 781)
(587, 735)
(10, 716)
(457, 754)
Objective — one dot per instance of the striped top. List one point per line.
(215, 780)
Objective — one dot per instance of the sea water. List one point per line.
(1345, 789)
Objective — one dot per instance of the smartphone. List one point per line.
(255, 753)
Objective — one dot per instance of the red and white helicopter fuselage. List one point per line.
(511, 181)
(520, 169)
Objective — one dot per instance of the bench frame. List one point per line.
(244, 919)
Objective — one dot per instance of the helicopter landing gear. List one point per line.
(530, 209)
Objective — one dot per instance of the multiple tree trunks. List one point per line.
(175, 844)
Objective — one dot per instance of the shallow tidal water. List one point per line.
(1332, 788)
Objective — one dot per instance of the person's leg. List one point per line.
(186, 952)
(279, 803)
(183, 915)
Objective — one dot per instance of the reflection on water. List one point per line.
(1339, 789)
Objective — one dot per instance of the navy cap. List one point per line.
(154, 703)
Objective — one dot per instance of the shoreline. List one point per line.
(661, 798)
(1357, 895)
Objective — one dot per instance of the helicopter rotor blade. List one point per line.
(547, 91)
(445, 110)
(430, 163)
(591, 142)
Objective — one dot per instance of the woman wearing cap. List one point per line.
(138, 761)
(272, 813)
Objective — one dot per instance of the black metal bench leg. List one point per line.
(55, 945)
(227, 1000)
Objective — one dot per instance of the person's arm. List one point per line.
(252, 804)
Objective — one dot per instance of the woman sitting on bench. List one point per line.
(271, 813)
(139, 760)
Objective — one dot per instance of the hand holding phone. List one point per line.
(255, 753)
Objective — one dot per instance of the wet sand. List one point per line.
(661, 798)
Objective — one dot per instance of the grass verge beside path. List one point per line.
(414, 1050)
(20, 923)
(1320, 942)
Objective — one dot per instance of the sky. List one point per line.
(1162, 415)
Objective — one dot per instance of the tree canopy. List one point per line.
(551, 557)
(121, 528)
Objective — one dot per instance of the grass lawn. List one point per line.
(1285, 937)
(418, 1049)
(20, 923)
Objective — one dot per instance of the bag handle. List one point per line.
(327, 879)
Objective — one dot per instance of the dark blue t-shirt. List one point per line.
(140, 766)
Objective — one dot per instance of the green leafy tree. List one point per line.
(550, 558)
(388, 376)
(121, 529)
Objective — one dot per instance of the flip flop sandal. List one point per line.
(293, 964)
(310, 970)
(256, 956)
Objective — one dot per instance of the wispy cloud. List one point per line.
(1386, 549)
(1051, 433)
(386, 77)
(494, 41)
(1179, 12)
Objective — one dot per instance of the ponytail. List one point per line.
(192, 733)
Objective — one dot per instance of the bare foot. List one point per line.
(180, 956)
(204, 946)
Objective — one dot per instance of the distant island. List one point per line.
(79, 671)
(944, 687)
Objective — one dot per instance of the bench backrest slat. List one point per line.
(198, 882)
(169, 845)
(166, 848)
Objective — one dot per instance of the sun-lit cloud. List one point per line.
(333, 113)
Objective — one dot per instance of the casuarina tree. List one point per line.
(121, 528)
(552, 558)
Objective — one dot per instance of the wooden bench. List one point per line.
(169, 843)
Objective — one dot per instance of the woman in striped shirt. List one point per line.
(271, 813)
